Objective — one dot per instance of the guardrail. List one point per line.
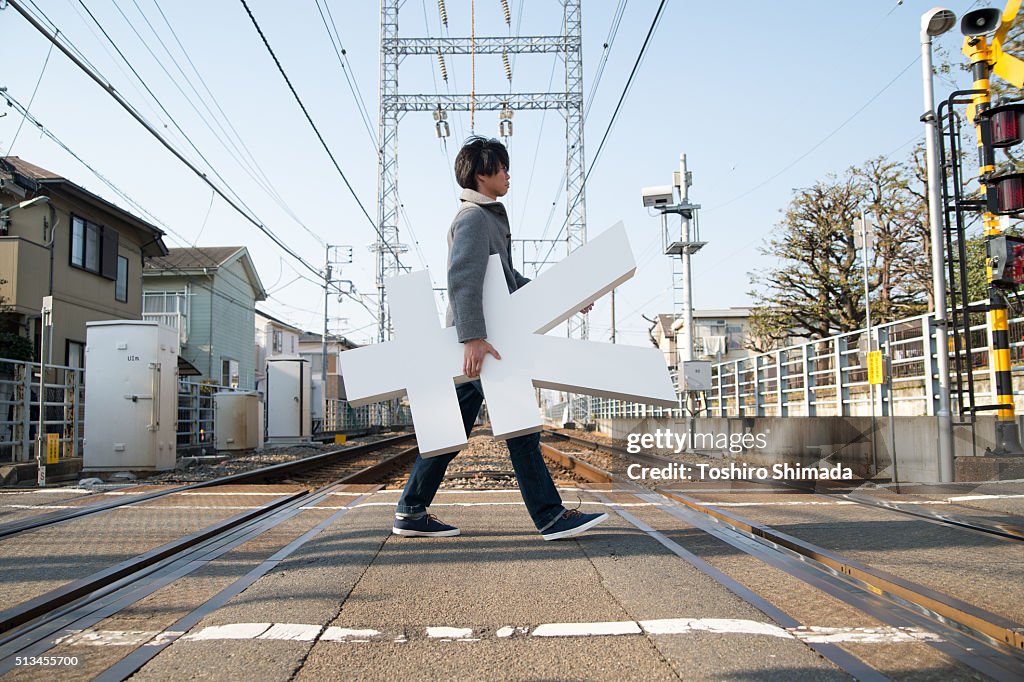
(827, 377)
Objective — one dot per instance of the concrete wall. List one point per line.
(808, 440)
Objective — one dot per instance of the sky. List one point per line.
(762, 97)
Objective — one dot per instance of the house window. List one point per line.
(94, 247)
(165, 302)
(75, 354)
(278, 343)
(121, 285)
(229, 372)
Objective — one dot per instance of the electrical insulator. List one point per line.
(505, 121)
(444, 12)
(508, 67)
(508, 14)
(440, 63)
(441, 128)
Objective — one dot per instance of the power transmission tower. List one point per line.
(393, 104)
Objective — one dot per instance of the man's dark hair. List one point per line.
(479, 156)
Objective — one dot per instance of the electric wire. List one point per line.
(213, 98)
(30, 100)
(99, 79)
(159, 104)
(820, 142)
(342, 54)
(102, 82)
(249, 165)
(611, 122)
(320, 137)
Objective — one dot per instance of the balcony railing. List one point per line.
(173, 320)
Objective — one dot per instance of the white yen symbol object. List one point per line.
(424, 358)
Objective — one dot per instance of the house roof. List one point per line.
(202, 260)
(279, 321)
(194, 258)
(16, 172)
(311, 337)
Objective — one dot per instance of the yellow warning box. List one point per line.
(52, 448)
(876, 370)
(340, 440)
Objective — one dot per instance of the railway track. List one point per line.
(335, 464)
(33, 627)
(985, 641)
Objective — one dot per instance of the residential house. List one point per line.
(311, 348)
(209, 294)
(59, 239)
(274, 337)
(720, 335)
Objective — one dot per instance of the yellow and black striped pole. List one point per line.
(1007, 434)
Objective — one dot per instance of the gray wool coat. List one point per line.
(479, 229)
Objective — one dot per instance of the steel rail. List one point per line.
(16, 527)
(106, 592)
(941, 609)
(1011, 529)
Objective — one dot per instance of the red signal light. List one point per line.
(1009, 192)
(1007, 124)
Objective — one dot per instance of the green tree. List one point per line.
(13, 346)
(899, 272)
(814, 291)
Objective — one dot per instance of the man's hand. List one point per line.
(473, 356)
(587, 309)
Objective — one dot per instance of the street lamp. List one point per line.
(935, 22)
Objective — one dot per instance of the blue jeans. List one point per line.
(535, 484)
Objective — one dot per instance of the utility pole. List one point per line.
(342, 256)
(682, 245)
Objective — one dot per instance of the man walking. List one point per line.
(481, 228)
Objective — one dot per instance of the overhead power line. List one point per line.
(611, 121)
(320, 137)
(95, 76)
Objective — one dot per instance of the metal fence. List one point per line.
(195, 414)
(829, 376)
(63, 409)
(342, 417)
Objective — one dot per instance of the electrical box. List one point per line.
(236, 420)
(131, 396)
(695, 376)
(1006, 255)
(289, 418)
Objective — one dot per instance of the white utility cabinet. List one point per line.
(696, 376)
(236, 420)
(289, 399)
(131, 396)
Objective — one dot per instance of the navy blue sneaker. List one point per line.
(573, 522)
(427, 526)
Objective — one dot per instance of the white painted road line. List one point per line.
(679, 626)
(627, 627)
(660, 627)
